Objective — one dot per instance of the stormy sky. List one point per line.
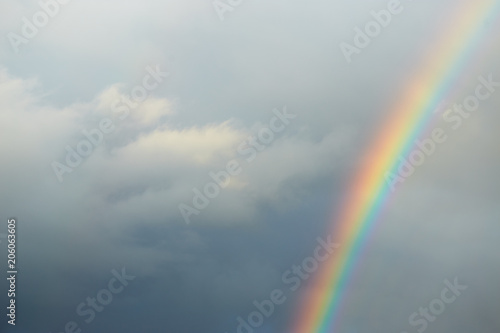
(115, 115)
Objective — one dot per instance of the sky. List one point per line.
(174, 160)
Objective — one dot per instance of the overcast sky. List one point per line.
(269, 70)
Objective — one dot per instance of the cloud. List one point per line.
(119, 207)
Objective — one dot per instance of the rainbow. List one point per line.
(369, 193)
